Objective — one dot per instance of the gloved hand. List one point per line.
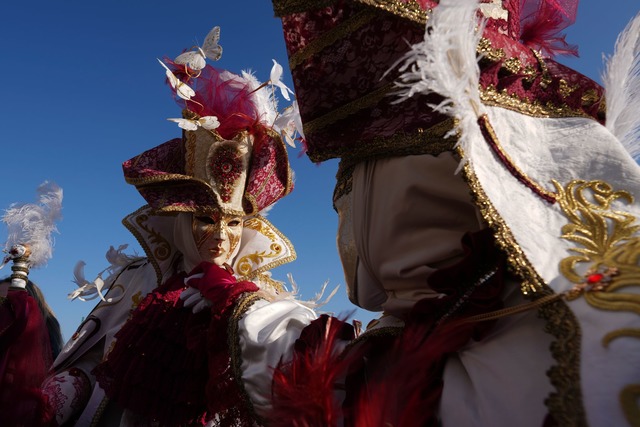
(217, 285)
(192, 298)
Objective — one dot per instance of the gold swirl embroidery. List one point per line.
(163, 249)
(248, 261)
(260, 227)
(610, 244)
(608, 239)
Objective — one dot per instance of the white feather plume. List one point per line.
(118, 260)
(34, 223)
(621, 80)
(445, 63)
(263, 98)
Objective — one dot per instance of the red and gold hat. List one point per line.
(238, 166)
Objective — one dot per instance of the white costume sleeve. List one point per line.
(267, 332)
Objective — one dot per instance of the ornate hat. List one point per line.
(231, 157)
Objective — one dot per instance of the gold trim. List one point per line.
(327, 39)
(485, 47)
(235, 352)
(565, 403)
(430, 141)
(278, 262)
(532, 283)
(287, 7)
(410, 10)
(491, 96)
(344, 111)
(609, 241)
(142, 241)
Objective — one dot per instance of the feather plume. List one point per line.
(445, 63)
(34, 223)
(87, 290)
(621, 80)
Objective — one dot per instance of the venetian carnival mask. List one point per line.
(217, 237)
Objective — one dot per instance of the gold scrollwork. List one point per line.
(260, 227)
(163, 249)
(248, 261)
(609, 243)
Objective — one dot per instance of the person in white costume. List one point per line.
(154, 349)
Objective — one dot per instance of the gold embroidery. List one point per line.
(488, 51)
(410, 10)
(513, 65)
(162, 250)
(608, 239)
(246, 263)
(245, 301)
(430, 141)
(589, 98)
(565, 403)
(609, 243)
(565, 90)
(493, 97)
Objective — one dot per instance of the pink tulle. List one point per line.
(25, 357)
(219, 93)
(541, 22)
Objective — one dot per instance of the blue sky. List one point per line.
(83, 92)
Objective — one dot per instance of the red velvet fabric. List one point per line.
(173, 366)
(25, 357)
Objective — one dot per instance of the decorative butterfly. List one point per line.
(197, 59)
(207, 122)
(182, 89)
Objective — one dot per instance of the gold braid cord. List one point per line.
(565, 403)
(609, 249)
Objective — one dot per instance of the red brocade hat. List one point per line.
(343, 56)
(238, 166)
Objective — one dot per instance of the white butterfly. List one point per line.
(207, 122)
(275, 78)
(196, 59)
(182, 89)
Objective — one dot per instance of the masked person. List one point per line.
(486, 206)
(155, 350)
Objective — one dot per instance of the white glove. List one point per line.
(192, 297)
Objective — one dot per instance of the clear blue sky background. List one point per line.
(82, 92)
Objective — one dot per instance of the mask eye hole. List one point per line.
(206, 220)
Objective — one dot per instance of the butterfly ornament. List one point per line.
(182, 89)
(197, 59)
(207, 122)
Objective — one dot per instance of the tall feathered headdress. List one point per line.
(30, 227)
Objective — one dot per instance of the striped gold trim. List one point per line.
(244, 303)
(341, 31)
(491, 96)
(340, 113)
